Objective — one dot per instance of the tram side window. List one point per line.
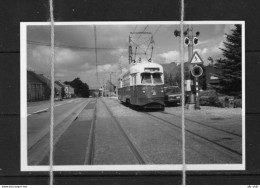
(146, 78)
(157, 79)
(126, 82)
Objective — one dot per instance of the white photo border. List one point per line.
(167, 167)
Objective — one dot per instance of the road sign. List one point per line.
(196, 59)
(196, 71)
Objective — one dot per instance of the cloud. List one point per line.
(202, 51)
(112, 44)
(228, 28)
(39, 59)
(171, 56)
(218, 29)
(212, 51)
(119, 51)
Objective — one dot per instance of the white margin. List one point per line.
(166, 167)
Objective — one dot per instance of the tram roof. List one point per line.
(139, 67)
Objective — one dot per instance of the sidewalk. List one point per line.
(37, 103)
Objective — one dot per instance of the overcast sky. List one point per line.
(75, 48)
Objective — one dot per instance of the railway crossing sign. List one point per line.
(196, 59)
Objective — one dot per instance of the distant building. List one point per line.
(39, 87)
(67, 90)
(211, 76)
(110, 89)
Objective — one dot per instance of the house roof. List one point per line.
(41, 78)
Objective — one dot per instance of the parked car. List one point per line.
(172, 95)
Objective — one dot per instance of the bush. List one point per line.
(208, 93)
(238, 103)
(210, 98)
(210, 101)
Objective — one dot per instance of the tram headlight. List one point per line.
(144, 88)
(162, 90)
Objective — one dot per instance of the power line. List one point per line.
(156, 30)
(73, 47)
(95, 33)
(143, 31)
(135, 28)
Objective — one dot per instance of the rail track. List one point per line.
(205, 125)
(172, 125)
(136, 152)
(90, 151)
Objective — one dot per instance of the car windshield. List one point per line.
(146, 78)
(173, 90)
(157, 78)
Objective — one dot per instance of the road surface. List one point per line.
(102, 131)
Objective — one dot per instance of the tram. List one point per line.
(142, 86)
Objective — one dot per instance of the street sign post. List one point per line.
(196, 71)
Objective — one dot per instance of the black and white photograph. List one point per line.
(118, 96)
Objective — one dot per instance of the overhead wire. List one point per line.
(156, 30)
(135, 27)
(73, 47)
(95, 33)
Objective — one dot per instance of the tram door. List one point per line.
(134, 89)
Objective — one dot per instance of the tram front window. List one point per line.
(157, 78)
(146, 78)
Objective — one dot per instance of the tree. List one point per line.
(168, 79)
(81, 89)
(230, 65)
(177, 78)
(202, 79)
(211, 61)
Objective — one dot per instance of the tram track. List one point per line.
(205, 125)
(134, 149)
(172, 125)
(90, 151)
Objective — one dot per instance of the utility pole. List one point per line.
(130, 51)
(190, 53)
(110, 86)
(105, 88)
(110, 81)
(95, 32)
(189, 41)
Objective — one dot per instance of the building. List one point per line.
(67, 90)
(109, 90)
(39, 87)
(211, 76)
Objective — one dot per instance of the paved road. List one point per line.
(103, 131)
(38, 123)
